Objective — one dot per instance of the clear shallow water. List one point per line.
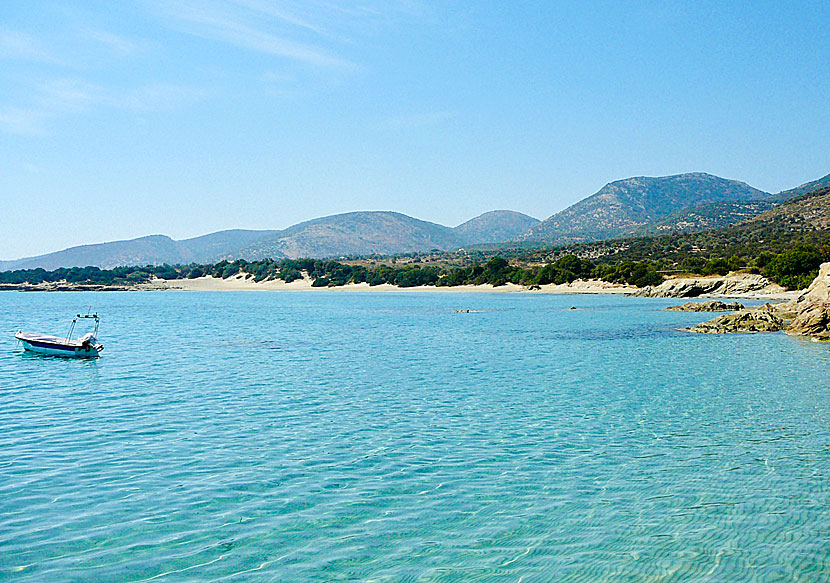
(381, 437)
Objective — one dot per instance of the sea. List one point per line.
(387, 437)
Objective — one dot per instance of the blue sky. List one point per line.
(125, 119)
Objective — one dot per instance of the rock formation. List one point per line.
(812, 308)
(727, 285)
(710, 306)
(809, 315)
(763, 319)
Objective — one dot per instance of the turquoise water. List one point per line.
(260, 436)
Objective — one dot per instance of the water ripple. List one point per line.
(379, 437)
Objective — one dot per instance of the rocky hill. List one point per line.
(634, 207)
(718, 215)
(357, 233)
(622, 207)
(494, 227)
(802, 220)
(384, 233)
(222, 244)
(715, 215)
(805, 213)
(144, 250)
(806, 188)
(150, 250)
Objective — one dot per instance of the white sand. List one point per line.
(239, 283)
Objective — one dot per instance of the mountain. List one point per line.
(153, 249)
(494, 227)
(222, 244)
(632, 207)
(715, 215)
(141, 251)
(804, 214)
(803, 189)
(621, 207)
(357, 233)
(798, 221)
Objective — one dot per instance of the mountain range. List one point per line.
(631, 207)
(801, 220)
(622, 207)
(717, 215)
(356, 233)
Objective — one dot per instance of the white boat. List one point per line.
(86, 346)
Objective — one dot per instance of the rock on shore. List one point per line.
(812, 308)
(725, 286)
(809, 315)
(710, 306)
(763, 319)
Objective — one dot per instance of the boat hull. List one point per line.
(60, 350)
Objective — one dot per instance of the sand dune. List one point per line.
(240, 283)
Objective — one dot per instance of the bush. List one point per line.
(795, 268)
(717, 266)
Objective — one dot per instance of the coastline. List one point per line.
(238, 282)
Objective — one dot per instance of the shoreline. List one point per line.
(240, 283)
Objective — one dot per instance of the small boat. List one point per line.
(86, 346)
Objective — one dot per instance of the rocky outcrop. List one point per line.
(812, 308)
(763, 319)
(723, 286)
(809, 315)
(710, 306)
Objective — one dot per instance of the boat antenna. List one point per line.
(72, 327)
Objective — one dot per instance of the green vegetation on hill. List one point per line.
(786, 244)
(622, 207)
(634, 207)
(797, 227)
(496, 271)
(793, 268)
(356, 233)
(715, 215)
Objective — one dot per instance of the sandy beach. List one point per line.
(240, 283)
(672, 287)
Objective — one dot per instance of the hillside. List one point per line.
(804, 220)
(806, 188)
(715, 215)
(621, 207)
(357, 233)
(150, 250)
(494, 227)
(144, 250)
(785, 244)
(718, 215)
(642, 206)
(222, 244)
(804, 214)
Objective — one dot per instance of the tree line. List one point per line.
(639, 263)
(496, 271)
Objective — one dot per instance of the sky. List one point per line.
(184, 117)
